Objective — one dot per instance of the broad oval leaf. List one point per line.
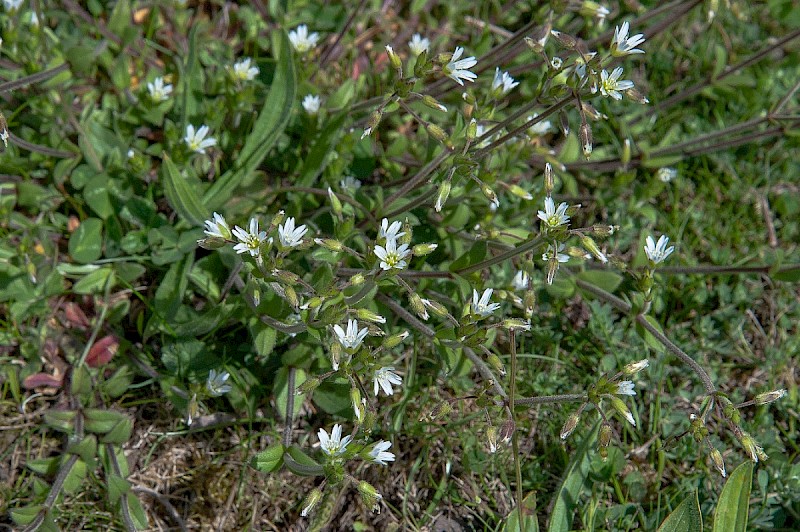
(86, 243)
(270, 459)
(734, 501)
(685, 518)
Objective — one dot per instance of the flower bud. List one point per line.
(507, 429)
(369, 495)
(394, 59)
(626, 152)
(437, 132)
(315, 302)
(568, 41)
(417, 305)
(433, 103)
(336, 354)
(211, 242)
(549, 181)
(357, 280)
(372, 123)
(563, 119)
(290, 294)
(311, 501)
(604, 231)
(719, 463)
(441, 410)
(752, 447)
(309, 385)
(591, 246)
(286, 276)
(569, 425)
(635, 367)
(637, 96)
(367, 315)
(421, 66)
(520, 192)
(591, 112)
(336, 204)
(436, 307)
(552, 268)
(420, 250)
(496, 364)
(276, 220)
(729, 410)
(586, 139)
(622, 409)
(593, 9)
(604, 440)
(472, 130)
(489, 194)
(329, 244)
(530, 303)
(441, 198)
(395, 340)
(769, 397)
(516, 324)
(491, 438)
(355, 400)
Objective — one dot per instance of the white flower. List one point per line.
(392, 256)
(503, 82)
(301, 40)
(250, 240)
(390, 232)
(556, 62)
(216, 383)
(539, 128)
(551, 216)
(131, 153)
(611, 85)
(218, 227)
(625, 388)
(384, 379)
(418, 44)
(311, 104)
(196, 140)
(658, 251)
(12, 5)
(350, 183)
(353, 337)
(158, 91)
(666, 174)
(289, 235)
(458, 69)
(333, 445)
(242, 70)
(636, 367)
(549, 254)
(379, 453)
(621, 44)
(521, 280)
(481, 305)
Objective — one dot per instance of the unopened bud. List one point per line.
(622, 409)
(489, 194)
(516, 324)
(394, 59)
(211, 242)
(604, 231)
(309, 385)
(637, 96)
(441, 410)
(372, 123)
(336, 355)
(420, 250)
(433, 103)
(286, 276)
(395, 340)
(563, 119)
(355, 400)
(491, 438)
(336, 204)
(520, 192)
(570, 425)
(441, 198)
(604, 440)
(291, 296)
(408, 229)
(311, 501)
(729, 410)
(626, 152)
(752, 447)
(719, 463)
(549, 181)
(472, 129)
(586, 139)
(315, 302)
(567, 41)
(436, 132)
(496, 364)
(421, 66)
(635, 367)
(369, 495)
(591, 246)
(436, 307)
(769, 397)
(329, 243)
(530, 303)
(591, 112)
(358, 279)
(417, 305)
(506, 431)
(367, 315)
(276, 220)
(593, 9)
(444, 58)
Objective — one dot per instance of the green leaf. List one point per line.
(75, 476)
(315, 161)
(268, 127)
(270, 459)
(263, 338)
(281, 391)
(685, 518)
(94, 282)
(529, 521)
(136, 511)
(97, 195)
(475, 254)
(44, 466)
(25, 514)
(734, 501)
(608, 281)
(572, 485)
(117, 487)
(183, 197)
(102, 421)
(85, 448)
(86, 243)
(169, 294)
(300, 463)
(62, 420)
